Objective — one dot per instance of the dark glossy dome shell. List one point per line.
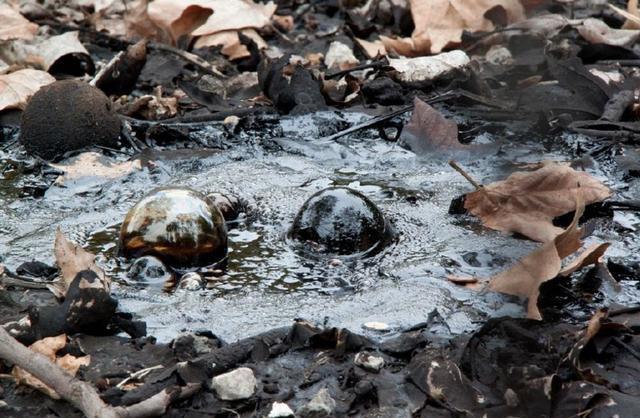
(341, 221)
(177, 225)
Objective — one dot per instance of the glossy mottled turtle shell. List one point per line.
(178, 225)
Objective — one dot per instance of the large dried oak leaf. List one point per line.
(17, 88)
(49, 347)
(527, 202)
(440, 23)
(525, 277)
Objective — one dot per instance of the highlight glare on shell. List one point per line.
(177, 225)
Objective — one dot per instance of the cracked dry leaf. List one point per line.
(17, 88)
(598, 32)
(13, 25)
(428, 132)
(525, 277)
(205, 17)
(94, 165)
(72, 259)
(49, 347)
(440, 23)
(527, 202)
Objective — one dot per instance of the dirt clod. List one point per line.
(67, 116)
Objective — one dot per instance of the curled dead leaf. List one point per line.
(525, 277)
(428, 132)
(72, 259)
(49, 347)
(527, 202)
(206, 17)
(598, 32)
(94, 164)
(13, 25)
(16, 88)
(440, 23)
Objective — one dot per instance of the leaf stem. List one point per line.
(466, 175)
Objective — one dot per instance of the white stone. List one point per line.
(235, 385)
(322, 405)
(280, 410)
(376, 326)
(428, 69)
(369, 362)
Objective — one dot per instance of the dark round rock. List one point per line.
(178, 225)
(341, 221)
(67, 116)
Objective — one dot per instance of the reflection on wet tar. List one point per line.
(267, 283)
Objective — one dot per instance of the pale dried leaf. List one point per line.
(372, 49)
(469, 282)
(56, 47)
(16, 88)
(527, 202)
(547, 25)
(590, 256)
(15, 26)
(598, 32)
(525, 277)
(94, 164)
(49, 347)
(205, 17)
(236, 14)
(429, 131)
(230, 42)
(439, 24)
(632, 14)
(72, 259)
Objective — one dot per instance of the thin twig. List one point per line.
(81, 394)
(466, 175)
(189, 57)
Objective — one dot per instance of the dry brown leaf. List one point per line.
(632, 14)
(236, 14)
(15, 26)
(284, 23)
(439, 24)
(527, 202)
(525, 277)
(598, 32)
(372, 49)
(590, 256)
(205, 17)
(49, 347)
(94, 164)
(44, 51)
(16, 88)
(72, 259)
(230, 42)
(140, 25)
(429, 131)
(469, 282)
